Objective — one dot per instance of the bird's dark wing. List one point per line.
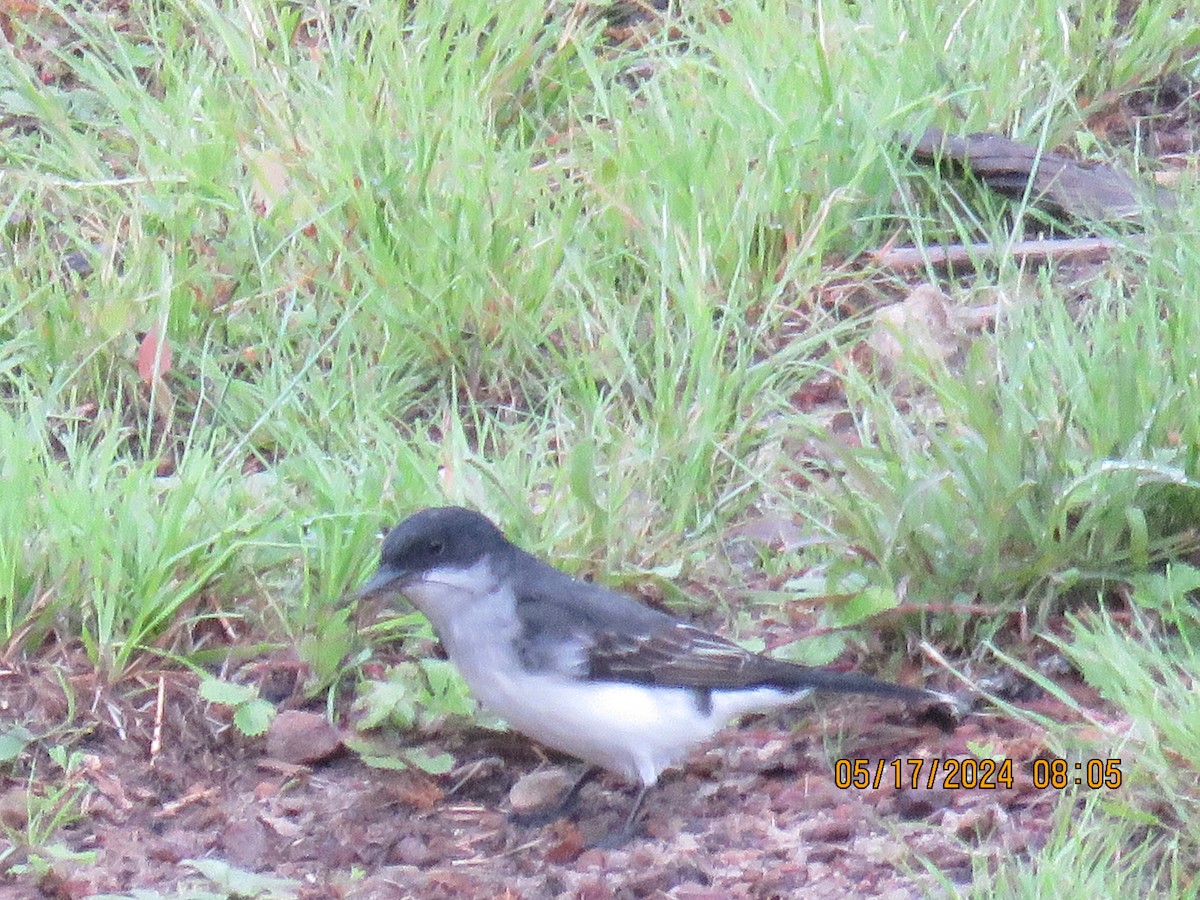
(587, 631)
(562, 620)
(676, 654)
(681, 655)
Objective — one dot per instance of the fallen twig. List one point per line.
(905, 259)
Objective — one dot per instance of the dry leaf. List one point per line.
(154, 356)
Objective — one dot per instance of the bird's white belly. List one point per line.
(634, 730)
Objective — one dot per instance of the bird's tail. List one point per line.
(943, 709)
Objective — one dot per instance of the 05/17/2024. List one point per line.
(974, 774)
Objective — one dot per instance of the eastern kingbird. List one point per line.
(583, 669)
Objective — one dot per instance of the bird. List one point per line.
(585, 670)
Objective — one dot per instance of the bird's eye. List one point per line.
(436, 548)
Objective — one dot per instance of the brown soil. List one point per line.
(755, 814)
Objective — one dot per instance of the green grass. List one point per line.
(1086, 856)
(1062, 460)
(467, 254)
(1141, 839)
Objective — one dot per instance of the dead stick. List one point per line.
(908, 258)
(156, 737)
(902, 609)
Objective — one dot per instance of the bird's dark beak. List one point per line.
(385, 583)
(370, 600)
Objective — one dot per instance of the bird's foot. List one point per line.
(619, 837)
(615, 839)
(559, 808)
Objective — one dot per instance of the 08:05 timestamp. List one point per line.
(973, 774)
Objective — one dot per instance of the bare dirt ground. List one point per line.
(755, 814)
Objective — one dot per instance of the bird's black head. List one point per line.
(447, 537)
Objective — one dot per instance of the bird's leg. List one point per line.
(559, 808)
(635, 812)
(621, 836)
